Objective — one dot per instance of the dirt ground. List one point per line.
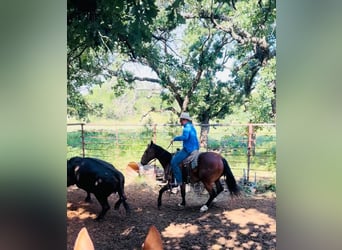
(248, 222)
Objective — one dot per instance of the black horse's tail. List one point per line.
(230, 179)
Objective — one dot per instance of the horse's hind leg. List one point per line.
(219, 189)
(212, 194)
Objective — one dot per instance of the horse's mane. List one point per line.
(162, 152)
(159, 148)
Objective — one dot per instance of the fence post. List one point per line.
(82, 136)
(154, 133)
(117, 142)
(249, 148)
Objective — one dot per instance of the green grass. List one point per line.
(128, 144)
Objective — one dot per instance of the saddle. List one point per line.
(190, 163)
(191, 160)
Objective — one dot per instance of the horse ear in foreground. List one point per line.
(83, 241)
(210, 168)
(152, 242)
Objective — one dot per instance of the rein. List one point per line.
(169, 145)
(151, 161)
(161, 153)
(167, 169)
(165, 151)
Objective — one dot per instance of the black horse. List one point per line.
(211, 167)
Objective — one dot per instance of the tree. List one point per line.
(188, 54)
(96, 29)
(187, 43)
(261, 102)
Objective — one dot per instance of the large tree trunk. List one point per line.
(204, 123)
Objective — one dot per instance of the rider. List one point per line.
(190, 143)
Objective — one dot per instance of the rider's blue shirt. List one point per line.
(189, 138)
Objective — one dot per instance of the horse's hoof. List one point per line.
(174, 190)
(99, 218)
(180, 205)
(204, 208)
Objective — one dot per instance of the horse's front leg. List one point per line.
(161, 191)
(182, 188)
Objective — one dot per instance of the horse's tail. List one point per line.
(230, 179)
(121, 190)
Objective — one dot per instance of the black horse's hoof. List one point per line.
(99, 218)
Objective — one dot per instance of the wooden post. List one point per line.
(154, 141)
(249, 148)
(82, 136)
(154, 133)
(117, 142)
(244, 177)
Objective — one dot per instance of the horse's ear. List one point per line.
(83, 241)
(151, 142)
(153, 240)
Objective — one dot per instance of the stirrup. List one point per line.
(175, 184)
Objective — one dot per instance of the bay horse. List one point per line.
(211, 167)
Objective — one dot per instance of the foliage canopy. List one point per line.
(209, 56)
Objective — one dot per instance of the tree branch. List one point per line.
(71, 58)
(148, 79)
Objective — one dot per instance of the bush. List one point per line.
(263, 187)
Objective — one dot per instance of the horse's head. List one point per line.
(149, 154)
(153, 151)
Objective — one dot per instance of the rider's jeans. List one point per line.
(175, 162)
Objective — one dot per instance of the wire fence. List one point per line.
(249, 148)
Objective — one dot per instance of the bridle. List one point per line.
(154, 159)
(167, 169)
